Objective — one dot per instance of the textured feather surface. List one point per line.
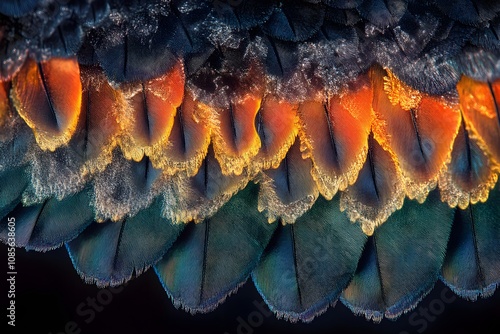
(212, 259)
(109, 253)
(309, 263)
(471, 267)
(371, 128)
(48, 225)
(401, 261)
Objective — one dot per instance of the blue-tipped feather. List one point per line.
(309, 263)
(212, 259)
(111, 253)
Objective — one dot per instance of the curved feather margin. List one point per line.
(48, 225)
(110, 253)
(472, 264)
(308, 264)
(401, 261)
(210, 260)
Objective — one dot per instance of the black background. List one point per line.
(48, 292)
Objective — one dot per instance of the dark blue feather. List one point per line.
(383, 13)
(66, 39)
(131, 57)
(471, 12)
(17, 8)
(281, 58)
(294, 21)
(243, 14)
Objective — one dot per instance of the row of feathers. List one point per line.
(378, 142)
(428, 44)
(160, 114)
(96, 189)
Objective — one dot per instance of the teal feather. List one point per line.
(110, 253)
(309, 263)
(401, 261)
(48, 225)
(212, 259)
(12, 184)
(472, 264)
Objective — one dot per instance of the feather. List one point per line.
(133, 57)
(234, 136)
(414, 33)
(343, 4)
(383, 13)
(281, 58)
(294, 21)
(47, 225)
(48, 97)
(5, 110)
(470, 174)
(480, 104)
(276, 125)
(479, 64)
(472, 264)
(308, 264)
(98, 11)
(471, 12)
(99, 124)
(334, 135)
(185, 26)
(13, 53)
(152, 106)
(15, 140)
(110, 253)
(401, 261)
(188, 140)
(212, 259)
(377, 192)
(347, 17)
(243, 14)
(66, 40)
(124, 188)
(288, 191)
(200, 196)
(417, 129)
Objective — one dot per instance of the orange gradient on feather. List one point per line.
(334, 134)
(4, 103)
(276, 124)
(48, 95)
(152, 108)
(189, 138)
(480, 105)
(99, 123)
(419, 139)
(234, 135)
